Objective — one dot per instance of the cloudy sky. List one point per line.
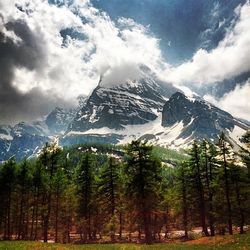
(52, 51)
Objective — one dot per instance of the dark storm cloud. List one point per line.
(25, 52)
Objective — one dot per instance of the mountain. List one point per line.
(59, 119)
(26, 139)
(5, 140)
(200, 119)
(134, 102)
(141, 108)
(120, 114)
(21, 141)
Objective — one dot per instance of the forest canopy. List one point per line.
(138, 192)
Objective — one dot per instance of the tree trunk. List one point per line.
(47, 215)
(89, 226)
(146, 225)
(229, 209)
(56, 216)
(112, 236)
(36, 214)
(242, 217)
(201, 196)
(46, 220)
(210, 196)
(33, 216)
(184, 208)
(155, 227)
(9, 218)
(26, 218)
(120, 225)
(20, 219)
(68, 230)
(5, 225)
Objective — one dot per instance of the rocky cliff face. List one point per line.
(172, 122)
(26, 139)
(135, 101)
(141, 108)
(21, 141)
(59, 119)
(200, 118)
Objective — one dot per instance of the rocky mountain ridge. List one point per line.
(25, 139)
(142, 108)
(149, 109)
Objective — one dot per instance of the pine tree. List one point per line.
(85, 188)
(143, 179)
(209, 169)
(38, 188)
(49, 158)
(108, 190)
(24, 181)
(68, 211)
(59, 185)
(245, 152)
(182, 184)
(238, 179)
(7, 187)
(224, 152)
(196, 171)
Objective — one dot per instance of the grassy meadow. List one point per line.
(235, 242)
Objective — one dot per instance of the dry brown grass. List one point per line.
(222, 240)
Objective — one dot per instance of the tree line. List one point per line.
(127, 194)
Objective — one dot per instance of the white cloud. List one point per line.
(120, 73)
(230, 58)
(235, 102)
(72, 66)
(75, 68)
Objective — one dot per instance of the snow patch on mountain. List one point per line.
(5, 133)
(152, 131)
(182, 119)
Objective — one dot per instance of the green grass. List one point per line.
(237, 242)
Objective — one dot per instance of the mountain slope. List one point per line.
(179, 121)
(26, 139)
(20, 141)
(201, 120)
(141, 108)
(59, 119)
(134, 102)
